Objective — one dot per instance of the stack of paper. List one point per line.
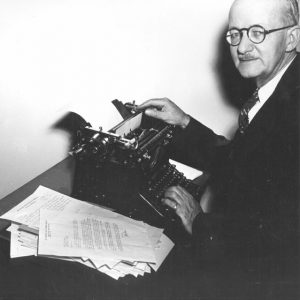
(51, 224)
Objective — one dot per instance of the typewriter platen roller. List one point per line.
(129, 161)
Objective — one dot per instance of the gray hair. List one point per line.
(292, 12)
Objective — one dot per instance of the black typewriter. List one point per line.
(128, 168)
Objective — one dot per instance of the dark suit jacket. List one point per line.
(255, 178)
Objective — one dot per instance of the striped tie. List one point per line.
(243, 117)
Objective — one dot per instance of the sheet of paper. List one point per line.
(73, 230)
(126, 269)
(129, 125)
(189, 172)
(22, 243)
(111, 272)
(143, 266)
(99, 262)
(82, 235)
(27, 212)
(154, 234)
(161, 251)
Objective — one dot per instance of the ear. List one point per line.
(293, 38)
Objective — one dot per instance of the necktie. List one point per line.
(243, 117)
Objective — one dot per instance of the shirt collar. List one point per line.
(267, 90)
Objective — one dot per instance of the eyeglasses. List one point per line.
(255, 33)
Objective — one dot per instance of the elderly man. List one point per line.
(255, 177)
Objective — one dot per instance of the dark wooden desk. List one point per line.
(178, 278)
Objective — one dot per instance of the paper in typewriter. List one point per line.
(129, 125)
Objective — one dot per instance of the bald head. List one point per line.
(286, 11)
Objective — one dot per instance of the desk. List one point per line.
(58, 178)
(178, 278)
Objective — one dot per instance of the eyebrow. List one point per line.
(235, 27)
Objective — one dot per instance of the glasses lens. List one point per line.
(256, 34)
(233, 37)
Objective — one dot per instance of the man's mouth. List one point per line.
(246, 59)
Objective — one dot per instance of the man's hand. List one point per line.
(165, 110)
(185, 206)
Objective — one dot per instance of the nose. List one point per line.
(245, 45)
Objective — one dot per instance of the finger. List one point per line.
(189, 200)
(178, 190)
(181, 190)
(155, 113)
(173, 194)
(171, 203)
(173, 188)
(179, 210)
(155, 102)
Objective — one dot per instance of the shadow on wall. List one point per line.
(71, 122)
(234, 87)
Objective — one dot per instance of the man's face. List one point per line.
(260, 61)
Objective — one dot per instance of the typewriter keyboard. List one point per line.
(155, 186)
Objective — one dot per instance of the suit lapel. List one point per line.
(268, 117)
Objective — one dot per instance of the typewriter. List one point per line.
(127, 167)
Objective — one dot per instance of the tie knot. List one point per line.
(253, 98)
(251, 101)
(255, 95)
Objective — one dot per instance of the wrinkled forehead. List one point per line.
(268, 13)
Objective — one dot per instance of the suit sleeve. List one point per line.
(198, 146)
